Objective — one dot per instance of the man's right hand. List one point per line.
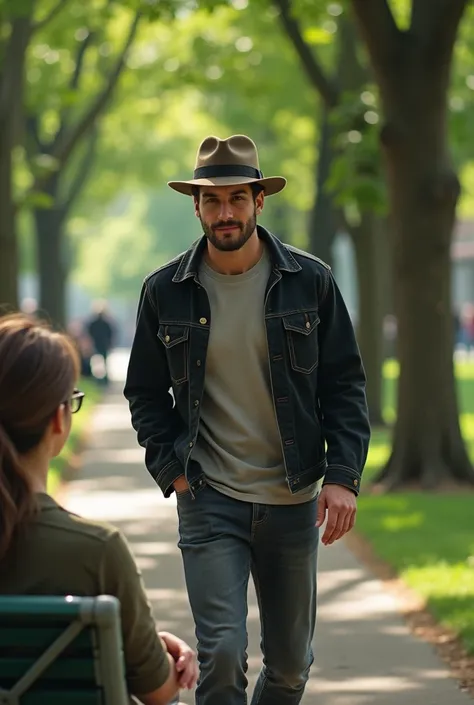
(181, 484)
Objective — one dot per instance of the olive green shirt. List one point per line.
(60, 553)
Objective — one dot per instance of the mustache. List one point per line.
(227, 224)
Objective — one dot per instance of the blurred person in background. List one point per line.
(102, 331)
(46, 550)
(85, 347)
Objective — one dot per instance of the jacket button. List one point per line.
(196, 402)
(308, 324)
(203, 321)
(167, 338)
(191, 444)
(198, 363)
(356, 482)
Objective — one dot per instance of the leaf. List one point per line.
(38, 199)
(317, 36)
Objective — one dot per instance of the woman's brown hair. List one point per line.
(38, 369)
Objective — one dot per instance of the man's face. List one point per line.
(228, 215)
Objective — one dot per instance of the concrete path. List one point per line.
(365, 655)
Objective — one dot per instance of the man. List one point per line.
(255, 341)
(102, 333)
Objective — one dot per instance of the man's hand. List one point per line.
(340, 504)
(184, 658)
(181, 484)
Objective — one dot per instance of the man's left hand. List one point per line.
(340, 503)
(184, 658)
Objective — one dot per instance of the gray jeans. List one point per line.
(223, 541)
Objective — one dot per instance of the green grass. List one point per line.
(428, 538)
(80, 423)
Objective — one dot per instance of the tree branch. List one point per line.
(323, 84)
(73, 85)
(67, 143)
(80, 56)
(60, 5)
(434, 23)
(378, 27)
(82, 173)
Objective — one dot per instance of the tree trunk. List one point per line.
(322, 225)
(428, 448)
(371, 255)
(11, 114)
(52, 264)
(8, 240)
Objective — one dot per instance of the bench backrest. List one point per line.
(61, 651)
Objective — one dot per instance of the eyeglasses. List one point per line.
(75, 401)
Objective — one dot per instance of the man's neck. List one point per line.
(237, 261)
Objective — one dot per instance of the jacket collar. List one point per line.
(280, 255)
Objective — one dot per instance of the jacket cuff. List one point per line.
(168, 475)
(342, 475)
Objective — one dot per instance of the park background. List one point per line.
(367, 107)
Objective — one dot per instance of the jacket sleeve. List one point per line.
(341, 392)
(147, 388)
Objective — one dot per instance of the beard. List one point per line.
(230, 242)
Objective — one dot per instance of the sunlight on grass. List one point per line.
(378, 454)
(427, 537)
(399, 523)
(449, 590)
(391, 369)
(467, 426)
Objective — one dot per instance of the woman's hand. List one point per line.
(184, 658)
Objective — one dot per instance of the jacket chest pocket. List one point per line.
(175, 338)
(302, 337)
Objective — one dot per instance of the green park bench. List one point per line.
(61, 651)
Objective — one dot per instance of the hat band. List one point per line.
(206, 172)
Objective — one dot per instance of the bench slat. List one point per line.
(28, 636)
(61, 669)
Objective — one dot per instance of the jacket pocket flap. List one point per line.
(303, 323)
(173, 334)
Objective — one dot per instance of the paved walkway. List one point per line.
(365, 655)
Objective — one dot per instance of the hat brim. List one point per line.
(271, 184)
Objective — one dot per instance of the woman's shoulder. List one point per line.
(59, 519)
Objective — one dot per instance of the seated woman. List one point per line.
(46, 550)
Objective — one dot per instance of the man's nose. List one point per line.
(226, 211)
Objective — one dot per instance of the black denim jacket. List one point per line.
(317, 377)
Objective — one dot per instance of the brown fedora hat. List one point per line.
(228, 163)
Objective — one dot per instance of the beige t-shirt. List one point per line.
(60, 553)
(239, 446)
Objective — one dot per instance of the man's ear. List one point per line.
(260, 202)
(196, 207)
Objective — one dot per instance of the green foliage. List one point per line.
(220, 68)
(142, 232)
(172, 96)
(356, 173)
